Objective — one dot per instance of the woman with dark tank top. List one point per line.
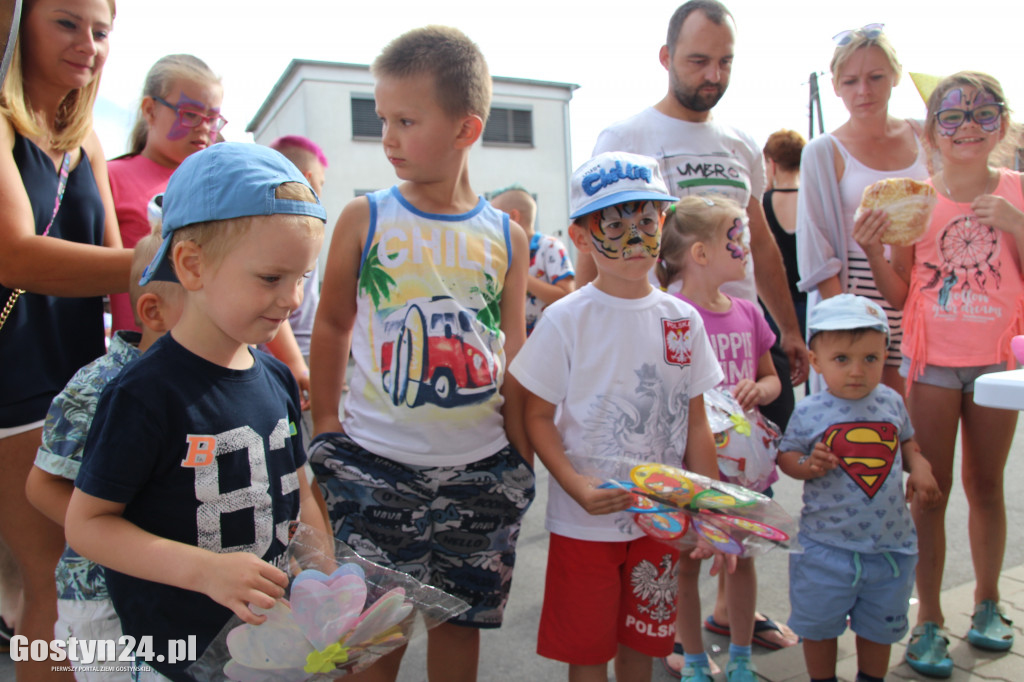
(782, 160)
(56, 326)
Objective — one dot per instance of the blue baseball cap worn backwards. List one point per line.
(615, 178)
(225, 181)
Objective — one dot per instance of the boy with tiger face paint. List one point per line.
(597, 554)
(627, 230)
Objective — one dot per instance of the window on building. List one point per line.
(364, 118)
(509, 126)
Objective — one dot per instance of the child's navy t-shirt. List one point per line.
(203, 455)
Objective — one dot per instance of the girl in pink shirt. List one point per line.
(179, 114)
(962, 294)
(702, 245)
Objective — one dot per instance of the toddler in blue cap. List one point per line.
(851, 445)
(193, 470)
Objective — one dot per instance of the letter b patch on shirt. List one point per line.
(201, 451)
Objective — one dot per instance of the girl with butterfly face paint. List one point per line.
(702, 245)
(158, 143)
(962, 295)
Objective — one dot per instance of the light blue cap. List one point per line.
(225, 181)
(845, 312)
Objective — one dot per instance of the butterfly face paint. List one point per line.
(953, 112)
(734, 244)
(627, 230)
(179, 130)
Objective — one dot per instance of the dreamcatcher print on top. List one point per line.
(970, 254)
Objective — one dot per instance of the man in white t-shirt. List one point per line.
(700, 155)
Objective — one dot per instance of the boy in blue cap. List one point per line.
(616, 371)
(851, 445)
(193, 470)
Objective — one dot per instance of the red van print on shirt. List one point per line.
(436, 351)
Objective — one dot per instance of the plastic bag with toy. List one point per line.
(340, 615)
(681, 508)
(747, 443)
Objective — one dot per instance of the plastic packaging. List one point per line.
(747, 443)
(681, 509)
(341, 614)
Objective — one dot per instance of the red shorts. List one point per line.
(598, 595)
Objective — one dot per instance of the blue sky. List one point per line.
(610, 49)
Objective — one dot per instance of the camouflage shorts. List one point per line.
(452, 527)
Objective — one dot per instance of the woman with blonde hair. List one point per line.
(871, 145)
(61, 253)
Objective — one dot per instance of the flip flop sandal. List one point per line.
(990, 629)
(760, 627)
(928, 651)
(712, 625)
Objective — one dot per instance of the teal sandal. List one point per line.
(740, 669)
(698, 673)
(928, 651)
(990, 629)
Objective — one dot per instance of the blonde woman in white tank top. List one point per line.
(870, 146)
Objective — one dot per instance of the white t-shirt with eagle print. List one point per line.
(622, 373)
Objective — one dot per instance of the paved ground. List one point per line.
(508, 653)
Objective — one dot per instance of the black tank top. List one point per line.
(786, 242)
(46, 338)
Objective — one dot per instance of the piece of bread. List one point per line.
(909, 204)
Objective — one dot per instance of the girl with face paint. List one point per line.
(179, 114)
(962, 295)
(702, 246)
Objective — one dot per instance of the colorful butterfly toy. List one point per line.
(668, 502)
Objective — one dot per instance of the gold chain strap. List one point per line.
(9, 306)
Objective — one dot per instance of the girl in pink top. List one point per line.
(179, 114)
(701, 245)
(963, 298)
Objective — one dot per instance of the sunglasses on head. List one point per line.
(867, 30)
(190, 118)
(986, 114)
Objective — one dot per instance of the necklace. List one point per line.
(989, 186)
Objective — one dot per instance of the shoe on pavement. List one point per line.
(740, 669)
(928, 651)
(695, 673)
(990, 629)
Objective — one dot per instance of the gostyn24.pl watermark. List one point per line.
(125, 649)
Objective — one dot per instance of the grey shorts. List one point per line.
(958, 378)
(452, 527)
